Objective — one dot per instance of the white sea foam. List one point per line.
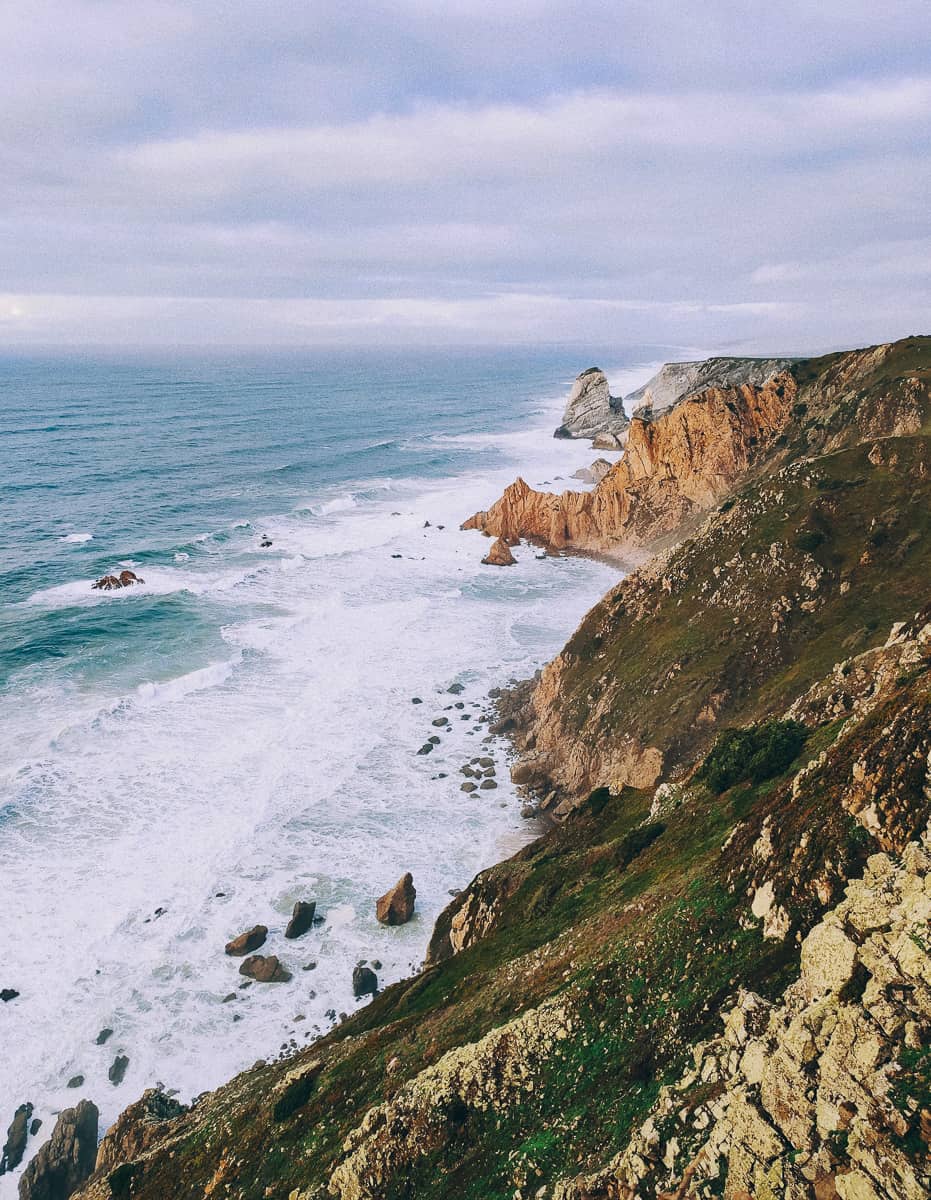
(77, 539)
(286, 768)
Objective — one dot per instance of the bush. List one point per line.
(808, 540)
(757, 753)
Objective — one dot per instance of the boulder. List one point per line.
(301, 918)
(117, 1071)
(364, 982)
(16, 1139)
(396, 907)
(499, 555)
(7, 994)
(67, 1159)
(246, 942)
(607, 441)
(265, 969)
(599, 468)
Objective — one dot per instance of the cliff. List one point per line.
(679, 464)
(674, 381)
(711, 977)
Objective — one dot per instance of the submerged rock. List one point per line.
(499, 555)
(265, 969)
(16, 1139)
(396, 907)
(67, 1159)
(109, 583)
(302, 918)
(246, 942)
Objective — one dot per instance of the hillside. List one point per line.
(711, 976)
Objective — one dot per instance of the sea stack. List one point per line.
(592, 410)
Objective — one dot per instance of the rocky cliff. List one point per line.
(711, 977)
(674, 381)
(680, 463)
(592, 410)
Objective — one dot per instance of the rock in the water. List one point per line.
(103, 1036)
(301, 918)
(108, 583)
(591, 408)
(16, 1139)
(117, 1071)
(75, 1081)
(396, 907)
(67, 1159)
(7, 994)
(265, 969)
(499, 555)
(364, 982)
(487, 784)
(608, 441)
(455, 689)
(468, 787)
(426, 748)
(439, 722)
(248, 941)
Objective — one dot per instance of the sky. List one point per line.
(731, 174)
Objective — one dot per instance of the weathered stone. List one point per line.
(67, 1159)
(364, 982)
(499, 555)
(302, 918)
(396, 906)
(265, 969)
(246, 942)
(16, 1137)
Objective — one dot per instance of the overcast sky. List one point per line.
(725, 173)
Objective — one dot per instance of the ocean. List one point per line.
(184, 759)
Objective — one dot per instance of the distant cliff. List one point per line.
(674, 381)
(592, 410)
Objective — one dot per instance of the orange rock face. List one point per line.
(396, 907)
(675, 466)
(499, 555)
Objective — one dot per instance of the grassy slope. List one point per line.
(644, 934)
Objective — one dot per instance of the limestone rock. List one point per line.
(246, 942)
(499, 555)
(302, 918)
(67, 1159)
(396, 906)
(591, 408)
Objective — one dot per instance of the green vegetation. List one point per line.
(757, 753)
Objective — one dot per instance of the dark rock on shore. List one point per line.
(396, 906)
(16, 1139)
(302, 918)
(247, 942)
(265, 969)
(117, 1072)
(364, 982)
(67, 1159)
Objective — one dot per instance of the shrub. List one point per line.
(808, 540)
(757, 753)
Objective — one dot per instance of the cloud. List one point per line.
(578, 168)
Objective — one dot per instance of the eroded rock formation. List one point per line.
(396, 907)
(674, 381)
(67, 1159)
(673, 468)
(591, 409)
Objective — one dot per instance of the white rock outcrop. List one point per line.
(592, 410)
(674, 381)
